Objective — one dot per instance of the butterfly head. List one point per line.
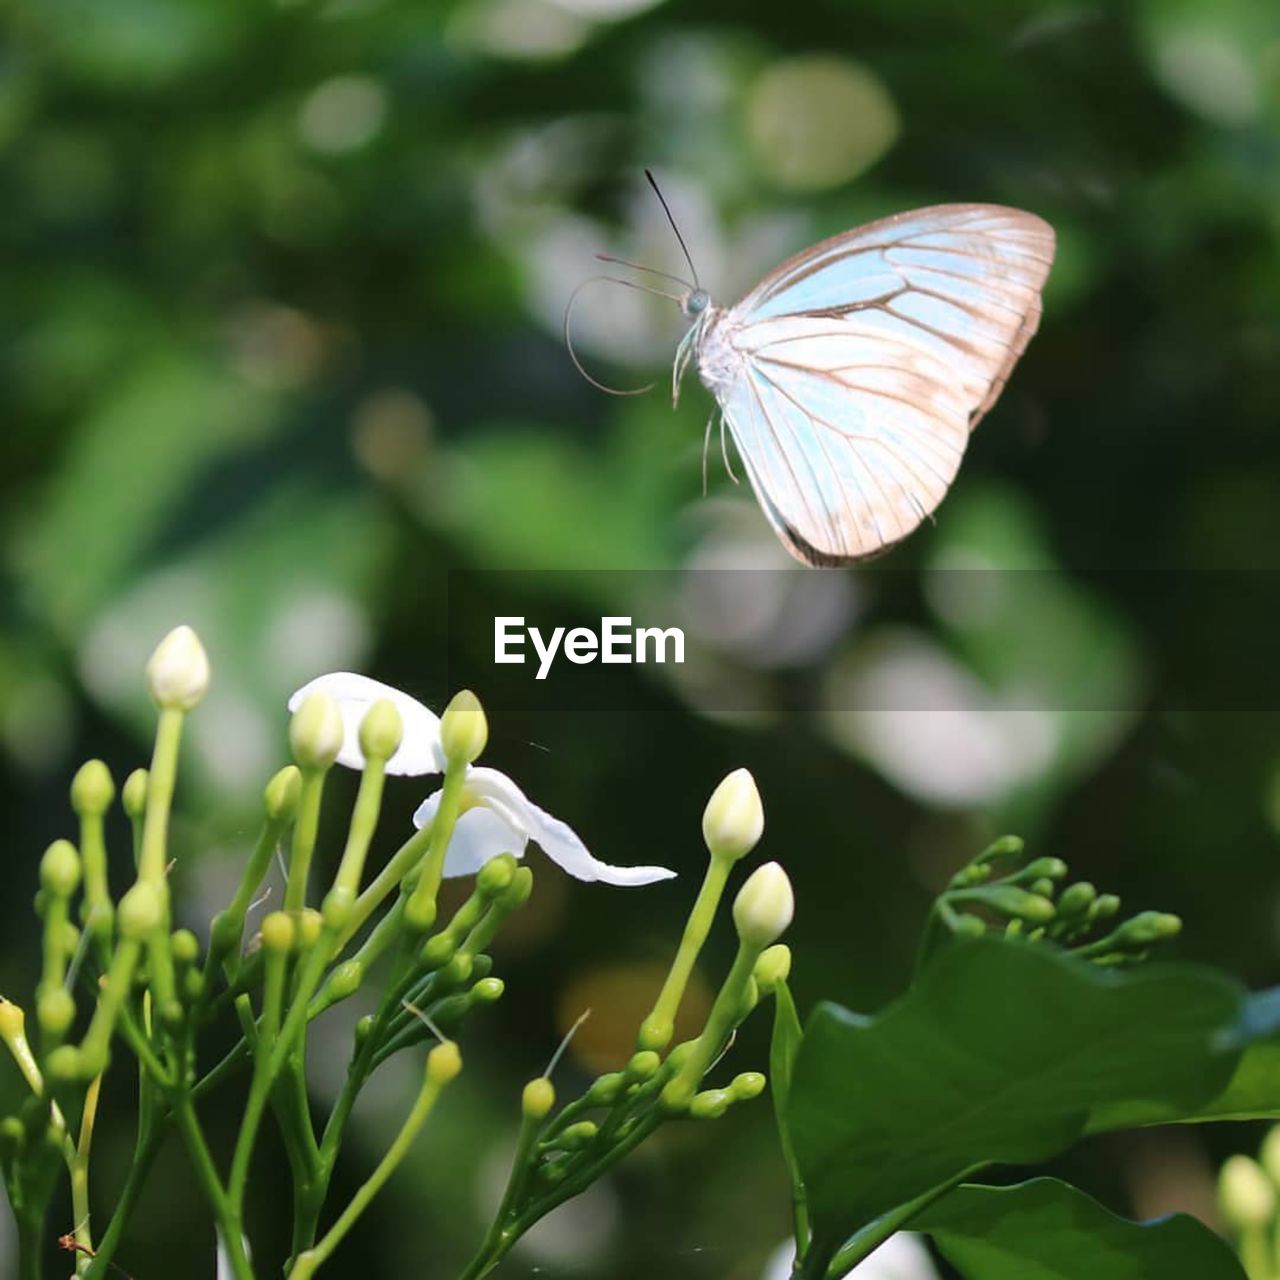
(694, 303)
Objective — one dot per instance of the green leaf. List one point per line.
(783, 1049)
(1252, 1093)
(1048, 1230)
(1000, 1052)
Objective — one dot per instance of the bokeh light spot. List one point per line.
(816, 122)
(343, 114)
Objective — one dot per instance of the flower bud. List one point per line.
(733, 820)
(764, 906)
(133, 794)
(606, 1089)
(437, 951)
(67, 1063)
(488, 990)
(337, 906)
(710, 1104)
(1009, 900)
(140, 912)
(278, 932)
(464, 729)
(178, 672)
(381, 730)
(1149, 927)
(773, 967)
(60, 869)
(538, 1098)
(92, 789)
(309, 924)
(282, 794)
(55, 1010)
(518, 892)
(1247, 1195)
(12, 1021)
(747, 1085)
(1045, 868)
(495, 877)
(1075, 900)
(185, 947)
(345, 980)
(577, 1136)
(443, 1063)
(316, 732)
(1104, 907)
(642, 1066)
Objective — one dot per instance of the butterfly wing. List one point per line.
(852, 375)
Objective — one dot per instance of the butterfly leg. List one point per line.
(724, 452)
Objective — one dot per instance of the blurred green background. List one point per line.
(280, 349)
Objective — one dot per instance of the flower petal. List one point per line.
(419, 751)
(478, 835)
(555, 838)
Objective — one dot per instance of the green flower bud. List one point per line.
(606, 1089)
(1004, 847)
(676, 1097)
(710, 1104)
(1148, 927)
(185, 947)
(555, 1170)
(747, 1085)
(577, 1136)
(676, 1058)
(464, 730)
(1044, 888)
(518, 893)
(345, 980)
(133, 795)
(337, 906)
(363, 1028)
(192, 984)
(282, 794)
(1104, 907)
(12, 1022)
(643, 1066)
(538, 1098)
(488, 990)
(141, 911)
(1045, 868)
(12, 1136)
(316, 732)
(773, 967)
(764, 906)
(655, 1033)
(1075, 900)
(1246, 1194)
(178, 672)
(733, 821)
(55, 1010)
(443, 1063)
(381, 730)
(437, 951)
(494, 878)
(66, 1063)
(60, 869)
(92, 789)
(1009, 900)
(968, 927)
(279, 933)
(310, 924)
(458, 971)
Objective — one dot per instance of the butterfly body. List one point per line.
(851, 376)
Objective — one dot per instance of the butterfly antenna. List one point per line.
(666, 208)
(638, 266)
(568, 333)
(564, 1044)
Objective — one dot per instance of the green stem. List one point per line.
(305, 828)
(224, 1213)
(307, 1263)
(421, 905)
(657, 1029)
(150, 1137)
(398, 866)
(160, 786)
(79, 1171)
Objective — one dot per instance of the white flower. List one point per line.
(419, 751)
(499, 818)
(903, 1256)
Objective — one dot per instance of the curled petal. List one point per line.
(419, 751)
(555, 838)
(478, 835)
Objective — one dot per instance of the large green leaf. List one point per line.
(1252, 1093)
(1048, 1230)
(998, 1053)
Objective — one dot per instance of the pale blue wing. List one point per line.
(851, 376)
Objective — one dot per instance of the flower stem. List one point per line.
(305, 829)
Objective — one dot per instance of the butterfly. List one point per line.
(852, 375)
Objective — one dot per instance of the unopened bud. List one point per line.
(538, 1098)
(140, 912)
(381, 730)
(764, 906)
(92, 789)
(1075, 900)
(443, 1063)
(710, 1104)
(464, 729)
(495, 876)
(178, 672)
(773, 967)
(642, 1066)
(747, 1085)
(1247, 1195)
(133, 795)
(60, 869)
(278, 932)
(55, 1010)
(316, 732)
(733, 821)
(577, 1136)
(282, 794)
